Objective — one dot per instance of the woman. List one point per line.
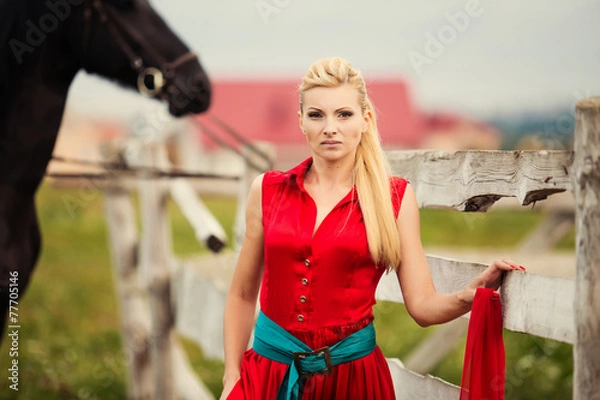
(318, 239)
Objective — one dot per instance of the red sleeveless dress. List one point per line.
(320, 288)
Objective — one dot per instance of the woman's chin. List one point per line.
(334, 155)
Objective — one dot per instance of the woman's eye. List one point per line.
(346, 114)
(314, 115)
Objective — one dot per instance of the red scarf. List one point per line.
(483, 369)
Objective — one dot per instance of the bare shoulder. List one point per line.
(409, 208)
(257, 183)
(255, 194)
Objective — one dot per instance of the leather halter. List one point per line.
(163, 76)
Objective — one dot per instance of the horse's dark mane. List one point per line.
(13, 15)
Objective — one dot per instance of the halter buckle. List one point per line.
(158, 78)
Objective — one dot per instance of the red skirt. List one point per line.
(366, 378)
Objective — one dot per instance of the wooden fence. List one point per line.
(567, 310)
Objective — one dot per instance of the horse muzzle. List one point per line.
(192, 98)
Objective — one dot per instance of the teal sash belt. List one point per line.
(277, 344)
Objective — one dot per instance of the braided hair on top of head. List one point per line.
(371, 169)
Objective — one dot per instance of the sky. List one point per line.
(477, 57)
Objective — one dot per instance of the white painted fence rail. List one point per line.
(473, 180)
(536, 304)
(410, 385)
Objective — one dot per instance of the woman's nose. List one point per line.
(330, 127)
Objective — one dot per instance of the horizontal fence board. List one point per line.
(410, 385)
(474, 180)
(540, 305)
(536, 304)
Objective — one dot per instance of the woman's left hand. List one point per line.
(491, 277)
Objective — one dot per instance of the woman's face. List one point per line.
(332, 122)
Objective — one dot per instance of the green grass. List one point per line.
(567, 243)
(70, 343)
(496, 228)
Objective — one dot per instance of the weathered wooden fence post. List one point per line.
(143, 269)
(155, 268)
(586, 167)
(135, 316)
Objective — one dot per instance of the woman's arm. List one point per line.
(243, 292)
(424, 304)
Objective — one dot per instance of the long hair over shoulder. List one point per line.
(371, 169)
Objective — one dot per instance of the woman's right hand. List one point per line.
(228, 385)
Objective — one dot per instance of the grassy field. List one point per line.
(70, 343)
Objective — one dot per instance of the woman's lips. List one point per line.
(330, 142)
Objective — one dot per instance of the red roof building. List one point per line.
(268, 111)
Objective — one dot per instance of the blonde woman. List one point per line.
(318, 239)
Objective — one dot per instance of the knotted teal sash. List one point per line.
(277, 344)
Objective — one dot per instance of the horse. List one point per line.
(44, 43)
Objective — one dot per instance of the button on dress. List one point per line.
(320, 288)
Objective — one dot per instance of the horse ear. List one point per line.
(121, 4)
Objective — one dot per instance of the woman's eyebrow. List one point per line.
(339, 109)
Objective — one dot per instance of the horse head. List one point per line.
(43, 43)
(127, 41)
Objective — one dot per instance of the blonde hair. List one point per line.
(371, 169)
